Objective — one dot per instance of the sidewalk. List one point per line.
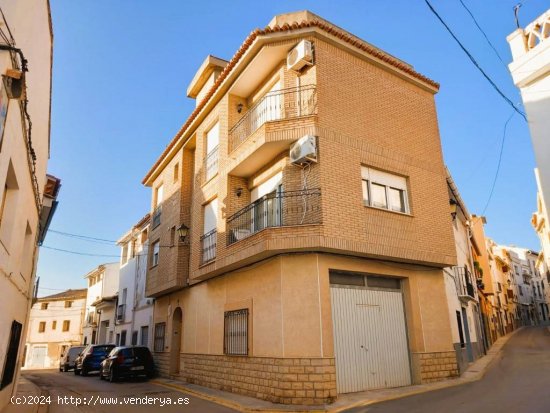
(25, 389)
(346, 401)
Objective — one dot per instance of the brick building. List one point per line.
(295, 281)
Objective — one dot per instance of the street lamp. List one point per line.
(183, 231)
(453, 204)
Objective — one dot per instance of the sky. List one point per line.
(121, 70)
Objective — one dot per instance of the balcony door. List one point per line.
(266, 198)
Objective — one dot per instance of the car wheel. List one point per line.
(84, 371)
(76, 372)
(112, 375)
(101, 374)
(65, 368)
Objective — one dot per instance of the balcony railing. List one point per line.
(277, 105)
(156, 216)
(278, 209)
(210, 166)
(463, 280)
(208, 246)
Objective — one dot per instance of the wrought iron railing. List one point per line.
(156, 216)
(278, 209)
(208, 246)
(463, 280)
(280, 104)
(210, 166)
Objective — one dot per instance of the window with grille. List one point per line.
(236, 332)
(159, 336)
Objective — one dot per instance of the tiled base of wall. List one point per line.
(436, 366)
(306, 381)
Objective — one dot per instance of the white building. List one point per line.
(461, 286)
(55, 323)
(540, 222)
(530, 71)
(27, 195)
(99, 321)
(134, 321)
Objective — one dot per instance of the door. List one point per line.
(370, 339)
(467, 334)
(175, 344)
(39, 356)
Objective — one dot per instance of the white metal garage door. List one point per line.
(370, 339)
(39, 356)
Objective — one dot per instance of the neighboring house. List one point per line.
(462, 286)
(55, 324)
(134, 317)
(530, 71)
(544, 273)
(27, 194)
(328, 257)
(99, 321)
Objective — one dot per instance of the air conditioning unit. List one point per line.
(304, 150)
(300, 56)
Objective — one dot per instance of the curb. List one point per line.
(493, 354)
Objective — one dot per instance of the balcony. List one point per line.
(210, 166)
(208, 246)
(156, 217)
(463, 281)
(291, 110)
(278, 209)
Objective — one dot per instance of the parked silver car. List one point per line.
(66, 362)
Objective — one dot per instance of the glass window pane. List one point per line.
(378, 196)
(397, 200)
(366, 200)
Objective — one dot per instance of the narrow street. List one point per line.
(517, 382)
(113, 397)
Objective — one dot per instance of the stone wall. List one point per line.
(435, 366)
(306, 381)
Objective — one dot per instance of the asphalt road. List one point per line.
(92, 395)
(516, 382)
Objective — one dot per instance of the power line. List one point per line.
(79, 253)
(499, 163)
(83, 237)
(483, 32)
(473, 60)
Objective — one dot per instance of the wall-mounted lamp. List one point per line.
(238, 192)
(183, 232)
(240, 107)
(454, 208)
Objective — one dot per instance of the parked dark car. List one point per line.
(127, 362)
(67, 360)
(91, 358)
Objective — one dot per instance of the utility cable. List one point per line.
(483, 33)
(498, 164)
(473, 60)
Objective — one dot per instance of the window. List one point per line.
(211, 158)
(41, 326)
(236, 332)
(124, 257)
(155, 254)
(8, 205)
(54, 325)
(123, 338)
(66, 325)
(11, 354)
(144, 335)
(384, 190)
(176, 172)
(44, 306)
(460, 331)
(209, 237)
(68, 304)
(134, 338)
(159, 194)
(159, 336)
(520, 290)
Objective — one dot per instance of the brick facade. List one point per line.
(435, 366)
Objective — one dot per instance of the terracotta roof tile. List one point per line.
(286, 27)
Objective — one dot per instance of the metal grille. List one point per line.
(208, 246)
(159, 336)
(277, 209)
(211, 164)
(463, 280)
(236, 332)
(280, 104)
